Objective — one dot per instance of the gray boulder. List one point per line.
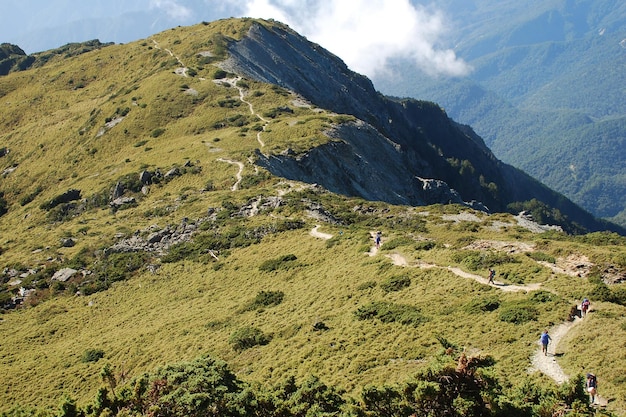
(64, 274)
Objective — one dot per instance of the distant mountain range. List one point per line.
(546, 92)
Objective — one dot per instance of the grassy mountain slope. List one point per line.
(245, 257)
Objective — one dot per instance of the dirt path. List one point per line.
(182, 71)
(316, 233)
(546, 364)
(235, 186)
(400, 260)
(234, 83)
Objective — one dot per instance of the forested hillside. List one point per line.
(545, 91)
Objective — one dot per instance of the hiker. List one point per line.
(584, 306)
(592, 387)
(492, 275)
(378, 238)
(545, 339)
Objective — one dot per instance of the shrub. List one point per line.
(394, 243)
(390, 313)
(518, 313)
(541, 257)
(92, 355)
(476, 261)
(219, 74)
(266, 299)
(483, 304)
(157, 132)
(396, 283)
(284, 262)
(366, 285)
(425, 245)
(66, 197)
(542, 296)
(247, 337)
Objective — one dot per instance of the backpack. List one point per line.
(592, 381)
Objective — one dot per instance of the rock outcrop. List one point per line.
(394, 143)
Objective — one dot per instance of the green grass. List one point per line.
(270, 274)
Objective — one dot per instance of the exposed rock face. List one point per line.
(363, 163)
(410, 138)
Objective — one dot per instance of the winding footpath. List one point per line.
(546, 364)
(235, 186)
(316, 233)
(235, 83)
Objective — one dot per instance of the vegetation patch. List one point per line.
(265, 299)
(285, 262)
(518, 312)
(541, 257)
(483, 304)
(476, 260)
(92, 355)
(395, 283)
(391, 313)
(247, 337)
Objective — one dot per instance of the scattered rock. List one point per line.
(67, 242)
(118, 191)
(145, 177)
(122, 201)
(64, 274)
(174, 172)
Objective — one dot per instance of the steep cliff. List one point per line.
(396, 142)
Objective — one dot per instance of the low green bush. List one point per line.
(518, 313)
(247, 337)
(366, 285)
(482, 304)
(542, 296)
(425, 245)
(541, 257)
(284, 262)
(265, 299)
(92, 355)
(395, 283)
(391, 313)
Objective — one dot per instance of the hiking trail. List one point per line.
(316, 233)
(546, 364)
(235, 186)
(235, 83)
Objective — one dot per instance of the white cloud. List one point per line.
(173, 8)
(366, 34)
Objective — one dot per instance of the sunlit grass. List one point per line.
(187, 307)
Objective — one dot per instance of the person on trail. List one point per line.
(584, 306)
(492, 275)
(378, 239)
(592, 387)
(545, 339)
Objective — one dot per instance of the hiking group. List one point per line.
(591, 384)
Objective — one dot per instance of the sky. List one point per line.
(365, 34)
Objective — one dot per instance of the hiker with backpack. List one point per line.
(545, 339)
(584, 306)
(492, 275)
(378, 239)
(592, 387)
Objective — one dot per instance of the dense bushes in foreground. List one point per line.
(455, 385)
